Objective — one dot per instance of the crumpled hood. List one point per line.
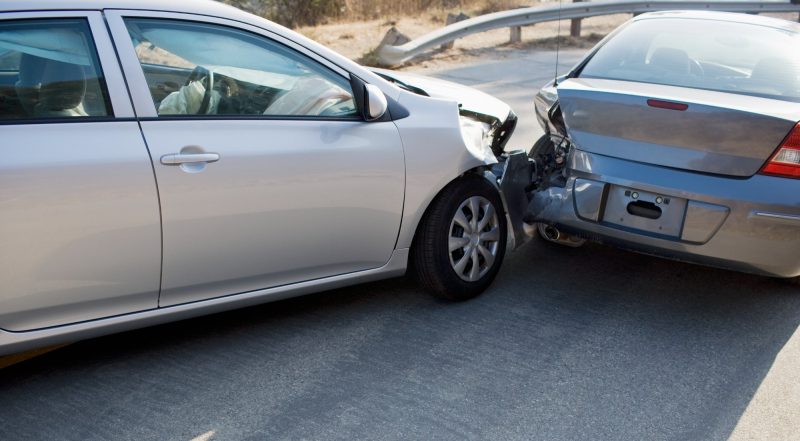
(469, 99)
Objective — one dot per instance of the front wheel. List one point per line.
(461, 242)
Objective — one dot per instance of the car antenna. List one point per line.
(558, 44)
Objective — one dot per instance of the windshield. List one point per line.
(704, 54)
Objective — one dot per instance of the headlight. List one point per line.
(478, 138)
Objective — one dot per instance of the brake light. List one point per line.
(786, 161)
(669, 105)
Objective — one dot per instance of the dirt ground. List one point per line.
(357, 40)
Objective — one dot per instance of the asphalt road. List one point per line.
(515, 80)
(568, 344)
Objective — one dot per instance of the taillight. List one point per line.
(669, 105)
(786, 161)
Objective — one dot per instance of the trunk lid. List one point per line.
(720, 133)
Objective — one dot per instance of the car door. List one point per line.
(266, 173)
(80, 235)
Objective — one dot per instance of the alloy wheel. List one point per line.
(473, 241)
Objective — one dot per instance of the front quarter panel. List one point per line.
(435, 155)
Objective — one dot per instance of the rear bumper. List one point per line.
(750, 225)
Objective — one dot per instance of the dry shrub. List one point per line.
(490, 6)
(372, 9)
(294, 13)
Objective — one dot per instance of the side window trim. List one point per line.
(132, 68)
(120, 103)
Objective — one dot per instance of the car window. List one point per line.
(202, 69)
(706, 54)
(49, 69)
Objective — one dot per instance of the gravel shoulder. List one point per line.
(356, 40)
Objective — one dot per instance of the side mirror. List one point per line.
(375, 104)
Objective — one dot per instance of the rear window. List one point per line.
(704, 54)
(49, 69)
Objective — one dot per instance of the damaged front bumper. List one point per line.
(513, 177)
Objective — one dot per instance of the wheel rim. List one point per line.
(474, 238)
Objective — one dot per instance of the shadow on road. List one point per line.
(568, 344)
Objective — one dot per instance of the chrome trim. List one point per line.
(189, 158)
(776, 216)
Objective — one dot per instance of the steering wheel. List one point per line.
(696, 69)
(206, 78)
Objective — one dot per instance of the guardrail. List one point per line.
(394, 55)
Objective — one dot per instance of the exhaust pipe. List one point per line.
(553, 234)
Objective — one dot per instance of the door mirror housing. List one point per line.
(375, 104)
(372, 103)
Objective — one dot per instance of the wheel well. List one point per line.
(475, 173)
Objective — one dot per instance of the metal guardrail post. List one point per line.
(575, 25)
(516, 34)
(453, 18)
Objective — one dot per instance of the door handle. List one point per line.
(189, 158)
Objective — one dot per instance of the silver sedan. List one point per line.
(678, 136)
(163, 160)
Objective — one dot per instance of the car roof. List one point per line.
(205, 7)
(732, 17)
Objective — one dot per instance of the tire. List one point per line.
(793, 281)
(453, 274)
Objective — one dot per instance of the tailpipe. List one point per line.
(553, 234)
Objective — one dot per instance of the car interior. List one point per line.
(654, 55)
(221, 92)
(201, 69)
(37, 81)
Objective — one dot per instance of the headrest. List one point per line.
(776, 73)
(31, 69)
(671, 60)
(63, 88)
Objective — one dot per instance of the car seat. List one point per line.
(774, 75)
(63, 87)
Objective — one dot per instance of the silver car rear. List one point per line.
(669, 124)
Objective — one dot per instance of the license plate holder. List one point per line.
(645, 211)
